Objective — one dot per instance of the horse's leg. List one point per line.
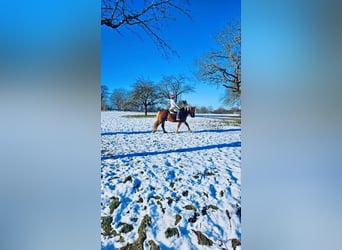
(162, 125)
(178, 125)
(188, 126)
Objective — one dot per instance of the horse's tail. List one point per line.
(158, 113)
(160, 118)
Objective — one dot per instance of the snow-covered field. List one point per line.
(172, 191)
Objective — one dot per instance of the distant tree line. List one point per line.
(145, 95)
(220, 110)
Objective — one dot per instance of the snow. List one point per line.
(159, 174)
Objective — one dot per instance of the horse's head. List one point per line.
(190, 110)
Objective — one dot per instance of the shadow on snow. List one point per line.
(180, 150)
(149, 132)
(126, 133)
(217, 130)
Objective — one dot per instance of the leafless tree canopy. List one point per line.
(149, 15)
(174, 84)
(144, 93)
(223, 66)
(119, 99)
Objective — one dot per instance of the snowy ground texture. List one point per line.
(169, 191)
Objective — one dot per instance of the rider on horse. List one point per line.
(173, 106)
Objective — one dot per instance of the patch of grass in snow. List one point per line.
(126, 228)
(112, 178)
(114, 204)
(128, 178)
(153, 245)
(171, 231)
(141, 200)
(172, 184)
(106, 226)
(202, 239)
(121, 239)
(190, 207)
(185, 193)
(228, 215)
(235, 243)
(161, 206)
(208, 173)
(169, 200)
(221, 193)
(231, 122)
(139, 243)
(140, 116)
(178, 218)
(213, 207)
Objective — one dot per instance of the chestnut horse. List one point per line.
(165, 115)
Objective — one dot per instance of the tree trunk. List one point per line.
(145, 109)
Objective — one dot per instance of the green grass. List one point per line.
(232, 122)
(235, 243)
(106, 226)
(169, 200)
(126, 228)
(139, 243)
(161, 206)
(190, 207)
(213, 207)
(153, 245)
(202, 239)
(178, 218)
(185, 193)
(128, 178)
(140, 116)
(114, 204)
(170, 232)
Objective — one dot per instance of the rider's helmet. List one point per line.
(172, 96)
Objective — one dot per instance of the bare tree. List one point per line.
(104, 97)
(223, 66)
(174, 84)
(149, 15)
(144, 94)
(119, 99)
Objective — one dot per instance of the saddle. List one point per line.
(173, 113)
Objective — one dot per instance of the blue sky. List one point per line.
(125, 56)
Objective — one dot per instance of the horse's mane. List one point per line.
(188, 108)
